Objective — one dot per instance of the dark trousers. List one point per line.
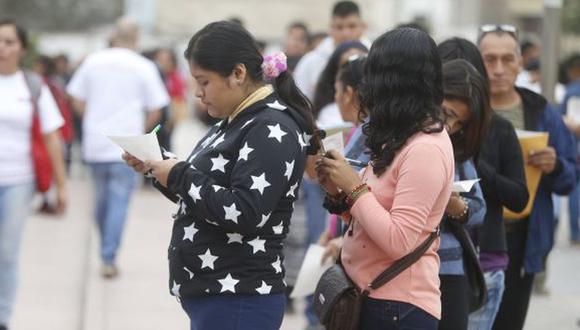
(235, 312)
(394, 315)
(518, 285)
(454, 302)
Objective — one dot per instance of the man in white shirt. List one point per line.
(346, 25)
(115, 90)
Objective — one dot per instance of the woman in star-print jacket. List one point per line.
(235, 192)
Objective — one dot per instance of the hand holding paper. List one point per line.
(463, 186)
(143, 147)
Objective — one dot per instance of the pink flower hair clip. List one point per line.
(274, 65)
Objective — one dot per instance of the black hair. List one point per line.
(462, 82)
(20, 31)
(345, 8)
(219, 46)
(526, 45)
(48, 65)
(324, 92)
(455, 48)
(351, 74)
(402, 92)
(298, 25)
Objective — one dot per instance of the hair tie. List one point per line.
(273, 65)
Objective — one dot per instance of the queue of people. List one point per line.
(421, 115)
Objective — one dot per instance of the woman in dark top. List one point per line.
(501, 168)
(236, 190)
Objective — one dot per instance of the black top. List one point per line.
(237, 192)
(501, 169)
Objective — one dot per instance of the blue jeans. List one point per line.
(14, 208)
(316, 224)
(483, 318)
(114, 185)
(394, 315)
(574, 206)
(235, 312)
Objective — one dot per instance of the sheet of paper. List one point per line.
(529, 141)
(144, 147)
(573, 109)
(334, 141)
(310, 272)
(464, 186)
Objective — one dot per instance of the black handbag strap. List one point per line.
(400, 265)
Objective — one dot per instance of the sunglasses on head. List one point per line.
(507, 28)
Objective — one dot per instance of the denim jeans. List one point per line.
(114, 184)
(394, 315)
(483, 318)
(574, 206)
(235, 312)
(316, 216)
(14, 208)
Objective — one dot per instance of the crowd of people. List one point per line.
(422, 115)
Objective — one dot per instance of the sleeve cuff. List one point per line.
(173, 179)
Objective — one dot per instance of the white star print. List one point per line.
(234, 238)
(260, 183)
(228, 284)
(232, 213)
(217, 188)
(289, 169)
(218, 141)
(245, 152)
(188, 272)
(276, 105)
(301, 140)
(207, 259)
(189, 232)
(175, 289)
(248, 122)
(278, 229)
(192, 167)
(276, 265)
(292, 191)
(276, 132)
(258, 244)
(219, 163)
(212, 222)
(182, 208)
(264, 289)
(218, 124)
(265, 218)
(307, 138)
(194, 192)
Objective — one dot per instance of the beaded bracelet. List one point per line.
(463, 213)
(356, 193)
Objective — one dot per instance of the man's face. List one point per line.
(346, 28)
(502, 61)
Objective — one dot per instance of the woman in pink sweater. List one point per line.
(399, 199)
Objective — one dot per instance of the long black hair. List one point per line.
(402, 92)
(324, 93)
(351, 74)
(462, 82)
(219, 46)
(455, 48)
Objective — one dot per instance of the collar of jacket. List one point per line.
(258, 95)
(533, 106)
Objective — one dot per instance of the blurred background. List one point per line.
(60, 287)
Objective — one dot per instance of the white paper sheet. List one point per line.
(464, 186)
(143, 147)
(334, 142)
(573, 109)
(310, 272)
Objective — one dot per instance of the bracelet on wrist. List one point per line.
(356, 193)
(463, 213)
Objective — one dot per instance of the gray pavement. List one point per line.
(60, 287)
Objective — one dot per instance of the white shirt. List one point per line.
(330, 117)
(118, 86)
(16, 165)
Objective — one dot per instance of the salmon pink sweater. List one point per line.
(406, 204)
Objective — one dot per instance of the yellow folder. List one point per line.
(529, 141)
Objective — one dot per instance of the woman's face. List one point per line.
(457, 115)
(345, 99)
(220, 95)
(11, 50)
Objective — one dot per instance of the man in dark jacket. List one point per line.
(530, 239)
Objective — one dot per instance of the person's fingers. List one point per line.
(334, 154)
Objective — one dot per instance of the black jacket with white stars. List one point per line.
(236, 194)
